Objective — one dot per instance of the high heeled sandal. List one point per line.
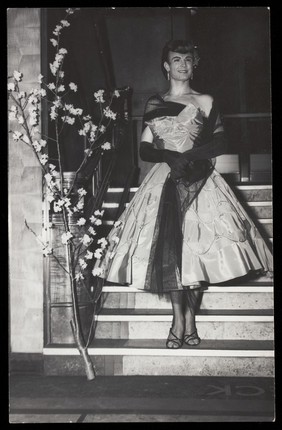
(193, 336)
(178, 342)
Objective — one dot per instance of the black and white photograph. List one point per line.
(141, 280)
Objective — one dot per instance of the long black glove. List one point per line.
(174, 159)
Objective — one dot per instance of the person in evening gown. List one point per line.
(184, 228)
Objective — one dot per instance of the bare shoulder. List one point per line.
(205, 102)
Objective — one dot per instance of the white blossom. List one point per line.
(11, 86)
(48, 178)
(88, 152)
(92, 136)
(99, 96)
(86, 239)
(92, 231)
(87, 126)
(82, 263)
(57, 30)
(106, 146)
(109, 113)
(67, 202)
(17, 135)
(88, 255)
(99, 213)
(86, 118)
(34, 91)
(66, 237)
(13, 108)
(82, 132)
(68, 119)
(116, 93)
(115, 239)
(117, 223)
(60, 202)
(63, 51)
(33, 99)
(103, 242)
(61, 73)
(57, 207)
(52, 166)
(36, 145)
(43, 142)
(61, 88)
(12, 116)
(50, 196)
(73, 86)
(111, 255)
(57, 103)
(47, 251)
(76, 111)
(58, 60)
(92, 219)
(79, 276)
(53, 69)
(80, 205)
(97, 271)
(53, 113)
(42, 92)
(43, 159)
(81, 221)
(40, 77)
(51, 86)
(98, 222)
(65, 23)
(98, 253)
(54, 42)
(68, 106)
(82, 192)
(102, 128)
(17, 75)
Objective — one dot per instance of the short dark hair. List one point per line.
(182, 47)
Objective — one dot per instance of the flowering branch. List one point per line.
(25, 112)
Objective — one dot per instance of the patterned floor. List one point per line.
(42, 399)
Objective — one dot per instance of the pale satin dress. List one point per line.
(220, 241)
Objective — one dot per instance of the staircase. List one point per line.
(235, 320)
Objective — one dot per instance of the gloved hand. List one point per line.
(177, 163)
(174, 159)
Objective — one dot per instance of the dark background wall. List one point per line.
(234, 46)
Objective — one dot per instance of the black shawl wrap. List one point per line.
(165, 261)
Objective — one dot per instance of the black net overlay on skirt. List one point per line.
(164, 267)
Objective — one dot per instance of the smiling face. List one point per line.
(180, 66)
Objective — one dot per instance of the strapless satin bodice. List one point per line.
(178, 133)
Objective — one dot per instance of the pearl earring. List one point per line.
(191, 77)
(168, 76)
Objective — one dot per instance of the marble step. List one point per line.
(222, 298)
(155, 324)
(150, 357)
